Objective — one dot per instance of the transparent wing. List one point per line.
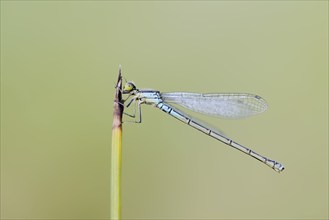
(225, 105)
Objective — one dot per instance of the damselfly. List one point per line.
(225, 105)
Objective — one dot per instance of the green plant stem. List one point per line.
(116, 152)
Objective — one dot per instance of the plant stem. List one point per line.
(116, 152)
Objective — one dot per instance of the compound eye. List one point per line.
(129, 87)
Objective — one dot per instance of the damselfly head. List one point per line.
(129, 87)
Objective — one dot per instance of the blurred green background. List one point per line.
(59, 64)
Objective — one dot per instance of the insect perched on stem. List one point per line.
(225, 105)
